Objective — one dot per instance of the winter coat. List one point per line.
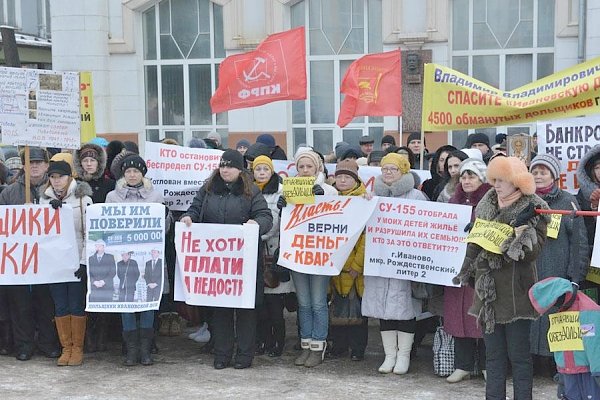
(502, 280)
(327, 188)
(219, 203)
(78, 197)
(14, 194)
(277, 153)
(544, 295)
(586, 186)
(563, 257)
(100, 184)
(458, 300)
(271, 192)
(390, 298)
(128, 273)
(356, 260)
(430, 184)
(448, 191)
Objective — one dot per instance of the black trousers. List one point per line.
(227, 322)
(270, 321)
(465, 350)
(407, 325)
(353, 336)
(31, 307)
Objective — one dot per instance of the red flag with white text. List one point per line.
(275, 71)
(373, 86)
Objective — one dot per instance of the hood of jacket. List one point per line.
(145, 191)
(584, 171)
(101, 162)
(435, 175)
(545, 293)
(77, 189)
(396, 189)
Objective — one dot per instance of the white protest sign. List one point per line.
(125, 250)
(216, 264)
(318, 238)
(569, 140)
(178, 172)
(39, 108)
(420, 241)
(38, 245)
(366, 174)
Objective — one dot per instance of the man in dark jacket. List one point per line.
(30, 306)
(102, 270)
(153, 276)
(275, 152)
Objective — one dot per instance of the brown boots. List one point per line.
(71, 333)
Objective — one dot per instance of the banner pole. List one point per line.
(422, 151)
(27, 176)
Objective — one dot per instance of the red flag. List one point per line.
(373, 86)
(275, 71)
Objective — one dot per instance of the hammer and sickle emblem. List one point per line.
(253, 74)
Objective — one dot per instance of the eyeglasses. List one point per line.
(388, 170)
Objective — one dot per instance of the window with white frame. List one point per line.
(31, 17)
(338, 32)
(183, 46)
(507, 44)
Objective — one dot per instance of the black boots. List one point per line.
(131, 339)
(5, 338)
(146, 336)
(138, 345)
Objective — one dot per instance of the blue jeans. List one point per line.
(69, 298)
(313, 314)
(130, 324)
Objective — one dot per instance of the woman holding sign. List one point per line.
(69, 297)
(468, 340)
(230, 197)
(564, 256)
(390, 299)
(504, 271)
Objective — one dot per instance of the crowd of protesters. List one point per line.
(490, 315)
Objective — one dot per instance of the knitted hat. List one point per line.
(134, 161)
(397, 160)
(479, 137)
(196, 143)
(59, 167)
(388, 139)
(88, 150)
(549, 161)
(35, 154)
(115, 166)
(339, 147)
(366, 140)
(13, 163)
(375, 156)
(266, 139)
(350, 151)
(232, 158)
(347, 167)
(255, 150)
(473, 153)
(474, 165)
(513, 170)
(310, 155)
(414, 136)
(242, 143)
(99, 141)
(214, 135)
(263, 160)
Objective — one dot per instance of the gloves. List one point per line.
(594, 197)
(281, 202)
(81, 273)
(318, 190)
(469, 227)
(55, 203)
(525, 215)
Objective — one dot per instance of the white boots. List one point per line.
(458, 375)
(390, 347)
(405, 342)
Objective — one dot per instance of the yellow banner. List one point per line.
(298, 190)
(554, 226)
(86, 107)
(452, 100)
(489, 234)
(593, 275)
(565, 332)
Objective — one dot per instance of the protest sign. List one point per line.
(318, 238)
(39, 108)
(564, 333)
(366, 174)
(595, 262)
(453, 100)
(489, 234)
(569, 140)
(216, 264)
(298, 190)
(554, 226)
(125, 245)
(593, 275)
(38, 245)
(86, 107)
(416, 240)
(178, 172)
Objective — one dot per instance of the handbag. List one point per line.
(443, 352)
(345, 310)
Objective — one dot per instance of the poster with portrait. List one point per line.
(519, 145)
(125, 253)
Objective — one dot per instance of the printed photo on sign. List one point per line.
(125, 250)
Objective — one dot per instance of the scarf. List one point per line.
(545, 190)
(510, 199)
(261, 185)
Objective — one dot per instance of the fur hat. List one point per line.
(397, 160)
(479, 137)
(263, 160)
(513, 170)
(312, 156)
(115, 166)
(196, 143)
(214, 135)
(232, 158)
(549, 161)
(474, 165)
(134, 161)
(347, 167)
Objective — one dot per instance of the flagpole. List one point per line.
(422, 151)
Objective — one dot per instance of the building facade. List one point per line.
(155, 63)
